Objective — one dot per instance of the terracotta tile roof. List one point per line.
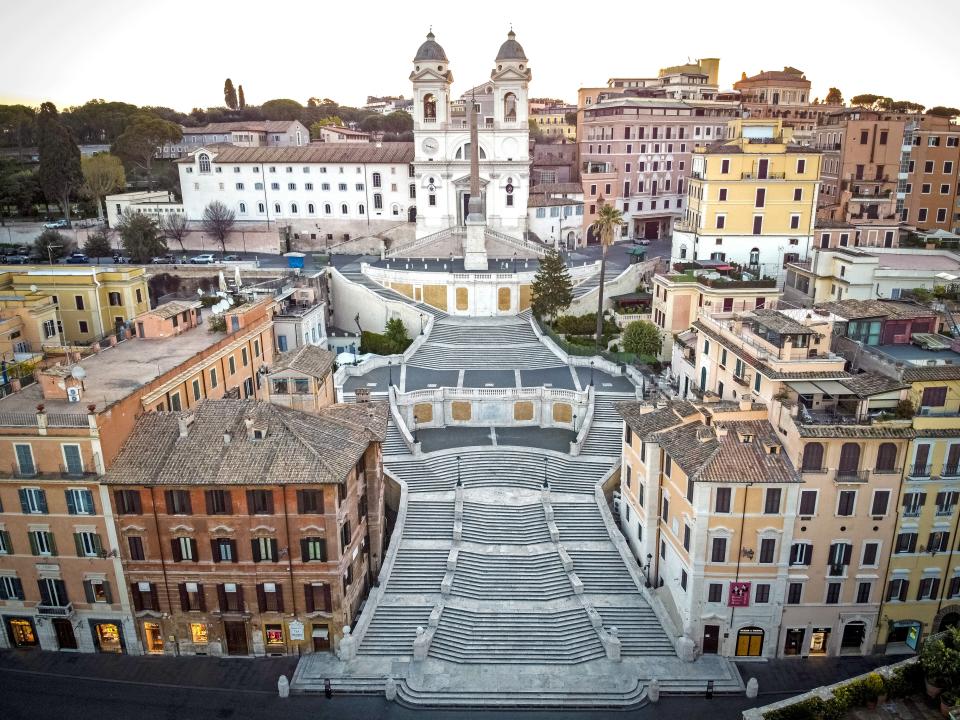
(544, 201)
(554, 188)
(931, 372)
(691, 446)
(174, 307)
(309, 360)
(351, 152)
(652, 421)
(866, 384)
(856, 431)
(780, 323)
(296, 447)
(858, 309)
(240, 126)
(744, 455)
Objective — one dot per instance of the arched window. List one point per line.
(343, 209)
(849, 458)
(463, 152)
(377, 200)
(812, 457)
(276, 208)
(683, 252)
(429, 107)
(293, 209)
(413, 191)
(204, 160)
(510, 106)
(395, 209)
(750, 642)
(755, 256)
(886, 457)
(261, 208)
(376, 179)
(243, 207)
(310, 208)
(327, 210)
(361, 209)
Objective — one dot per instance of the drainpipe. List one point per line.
(886, 575)
(736, 578)
(163, 563)
(943, 585)
(286, 527)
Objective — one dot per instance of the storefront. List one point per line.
(108, 636)
(21, 632)
(273, 639)
(750, 642)
(153, 637)
(321, 637)
(793, 644)
(819, 640)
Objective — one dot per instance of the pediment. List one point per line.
(464, 182)
(510, 74)
(428, 74)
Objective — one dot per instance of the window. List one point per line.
(178, 502)
(934, 397)
(88, 544)
(683, 579)
(928, 589)
(771, 504)
(192, 597)
(223, 550)
(721, 221)
(25, 464)
(313, 549)
(812, 459)
(232, 364)
(184, 548)
(11, 588)
(897, 589)
(686, 537)
(871, 552)
(724, 167)
(722, 503)
(33, 501)
(938, 541)
(758, 224)
(794, 222)
(230, 597)
(906, 543)
(801, 166)
(204, 162)
(718, 550)
(881, 501)
(833, 593)
(715, 592)
(270, 597)
(797, 194)
(767, 549)
(264, 549)
(846, 502)
(128, 502)
(53, 592)
(42, 542)
(794, 593)
(801, 553)
(79, 502)
(135, 544)
(762, 594)
(260, 502)
(218, 502)
(761, 198)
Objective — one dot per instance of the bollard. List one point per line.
(709, 695)
(327, 688)
(753, 688)
(390, 689)
(653, 691)
(283, 687)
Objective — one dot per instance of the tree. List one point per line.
(51, 245)
(139, 142)
(642, 338)
(905, 106)
(372, 123)
(281, 109)
(18, 125)
(396, 335)
(98, 245)
(536, 134)
(552, 288)
(60, 174)
(865, 100)
(241, 100)
(230, 95)
(174, 227)
(399, 121)
(834, 97)
(218, 221)
(570, 117)
(141, 237)
(102, 175)
(941, 111)
(607, 226)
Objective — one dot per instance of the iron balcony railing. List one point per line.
(60, 611)
(852, 476)
(919, 471)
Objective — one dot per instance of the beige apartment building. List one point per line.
(929, 170)
(28, 324)
(784, 95)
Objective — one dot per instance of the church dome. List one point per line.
(431, 51)
(511, 50)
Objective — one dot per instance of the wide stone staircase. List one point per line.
(510, 577)
(483, 344)
(488, 522)
(393, 630)
(418, 570)
(605, 436)
(638, 628)
(394, 444)
(428, 519)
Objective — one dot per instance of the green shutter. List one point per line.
(34, 550)
(97, 544)
(5, 541)
(53, 543)
(78, 541)
(88, 591)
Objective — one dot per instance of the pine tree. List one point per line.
(241, 100)
(229, 94)
(552, 287)
(60, 174)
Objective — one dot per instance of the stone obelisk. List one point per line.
(474, 244)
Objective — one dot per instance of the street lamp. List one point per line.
(421, 323)
(390, 366)
(416, 420)
(646, 569)
(459, 481)
(546, 483)
(591, 373)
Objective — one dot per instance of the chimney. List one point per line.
(227, 437)
(704, 435)
(721, 431)
(248, 422)
(184, 424)
(362, 395)
(746, 403)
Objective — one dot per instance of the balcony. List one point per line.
(741, 380)
(57, 611)
(950, 471)
(814, 471)
(852, 476)
(911, 512)
(944, 512)
(919, 472)
(63, 473)
(768, 176)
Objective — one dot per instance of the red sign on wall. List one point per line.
(739, 594)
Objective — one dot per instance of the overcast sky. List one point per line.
(177, 53)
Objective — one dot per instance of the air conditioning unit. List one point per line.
(73, 394)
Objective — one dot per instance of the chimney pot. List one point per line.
(227, 437)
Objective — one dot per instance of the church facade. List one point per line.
(441, 128)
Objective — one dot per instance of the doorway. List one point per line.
(153, 638)
(465, 207)
(21, 632)
(321, 637)
(236, 634)
(819, 641)
(762, 166)
(66, 639)
(651, 230)
(711, 639)
(851, 642)
(951, 619)
(107, 636)
(794, 641)
(750, 642)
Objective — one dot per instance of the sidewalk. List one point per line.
(238, 674)
(786, 676)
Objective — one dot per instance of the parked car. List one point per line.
(77, 258)
(57, 224)
(204, 259)
(642, 241)
(164, 260)
(232, 258)
(17, 260)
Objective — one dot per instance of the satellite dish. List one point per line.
(200, 292)
(33, 288)
(78, 373)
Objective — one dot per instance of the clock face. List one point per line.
(430, 146)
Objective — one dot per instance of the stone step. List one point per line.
(579, 522)
(539, 699)
(510, 577)
(418, 570)
(525, 524)
(639, 630)
(602, 571)
(394, 444)
(603, 440)
(393, 630)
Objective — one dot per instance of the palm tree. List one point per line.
(609, 221)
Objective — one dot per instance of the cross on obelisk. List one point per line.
(474, 244)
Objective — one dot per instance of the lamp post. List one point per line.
(416, 420)
(546, 483)
(591, 373)
(421, 323)
(459, 481)
(646, 570)
(390, 370)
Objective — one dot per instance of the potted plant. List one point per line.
(873, 687)
(933, 659)
(948, 699)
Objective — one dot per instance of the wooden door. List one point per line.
(711, 639)
(236, 634)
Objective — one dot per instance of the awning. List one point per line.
(819, 387)
(320, 632)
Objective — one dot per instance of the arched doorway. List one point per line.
(851, 642)
(592, 237)
(412, 213)
(948, 621)
(703, 378)
(750, 642)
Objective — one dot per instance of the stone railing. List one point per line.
(624, 319)
(413, 447)
(576, 445)
(519, 243)
(347, 371)
(410, 245)
(420, 339)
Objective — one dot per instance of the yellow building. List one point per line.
(91, 301)
(751, 199)
(552, 122)
(922, 594)
(28, 322)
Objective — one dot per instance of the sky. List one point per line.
(178, 53)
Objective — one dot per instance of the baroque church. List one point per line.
(443, 147)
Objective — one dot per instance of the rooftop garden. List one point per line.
(730, 275)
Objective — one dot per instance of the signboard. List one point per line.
(296, 630)
(913, 636)
(739, 594)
